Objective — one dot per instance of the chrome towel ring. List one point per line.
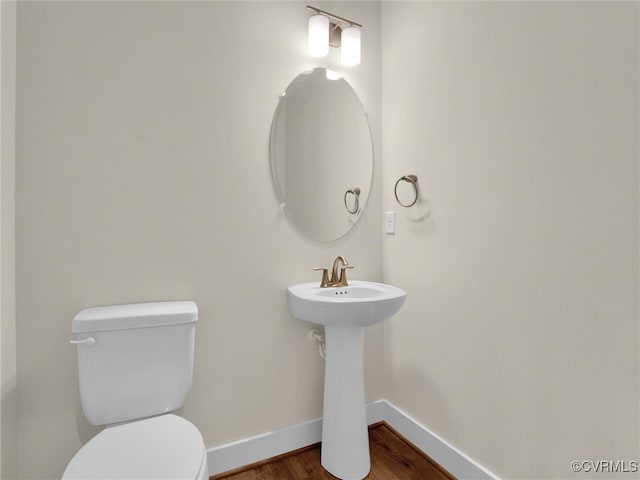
(356, 200)
(413, 180)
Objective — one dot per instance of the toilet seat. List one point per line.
(162, 447)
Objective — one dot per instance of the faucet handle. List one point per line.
(324, 283)
(342, 281)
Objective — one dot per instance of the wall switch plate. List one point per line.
(390, 223)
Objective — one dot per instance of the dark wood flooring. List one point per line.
(392, 458)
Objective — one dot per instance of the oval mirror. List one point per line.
(321, 154)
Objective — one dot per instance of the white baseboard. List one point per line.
(446, 455)
(261, 447)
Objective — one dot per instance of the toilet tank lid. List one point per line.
(136, 315)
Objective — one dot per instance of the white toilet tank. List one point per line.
(140, 361)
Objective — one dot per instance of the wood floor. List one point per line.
(392, 458)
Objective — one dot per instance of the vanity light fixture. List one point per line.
(326, 29)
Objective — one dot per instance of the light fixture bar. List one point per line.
(335, 17)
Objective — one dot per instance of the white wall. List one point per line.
(519, 340)
(8, 398)
(143, 174)
(518, 343)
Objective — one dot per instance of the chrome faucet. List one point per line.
(337, 279)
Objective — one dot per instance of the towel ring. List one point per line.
(413, 180)
(356, 200)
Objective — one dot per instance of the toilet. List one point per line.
(135, 366)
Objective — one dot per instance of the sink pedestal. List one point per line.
(345, 313)
(345, 435)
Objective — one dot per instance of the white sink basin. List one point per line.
(361, 303)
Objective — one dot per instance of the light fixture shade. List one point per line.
(350, 49)
(318, 35)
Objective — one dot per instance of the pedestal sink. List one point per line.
(345, 312)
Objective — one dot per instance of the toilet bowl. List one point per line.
(135, 366)
(163, 447)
